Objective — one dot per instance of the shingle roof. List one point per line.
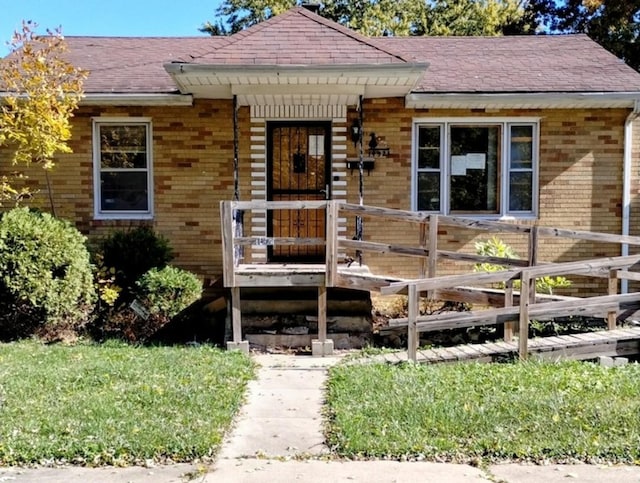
(297, 37)
(131, 64)
(542, 63)
(514, 64)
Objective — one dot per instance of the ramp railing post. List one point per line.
(331, 246)
(523, 329)
(412, 334)
(508, 302)
(613, 290)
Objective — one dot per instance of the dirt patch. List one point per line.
(395, 306)
(390, 307)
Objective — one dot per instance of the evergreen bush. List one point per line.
(168, 291)
(132, 253)
(163, 293)
(46, 282)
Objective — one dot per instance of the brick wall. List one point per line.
(581, 155)
(193, 172)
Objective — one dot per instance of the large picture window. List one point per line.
(476, 167)
(122, 168)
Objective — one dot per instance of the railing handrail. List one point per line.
(597, 267)
(484, 225)
(526, 270)
(278, 205)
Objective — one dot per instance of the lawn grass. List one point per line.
(114, 403)
(571, 411)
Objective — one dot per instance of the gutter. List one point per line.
(626, 182)
(543, 100)
(128, 99)
(139, 99)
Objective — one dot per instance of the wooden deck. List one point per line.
(508, 309)
(618, 342)
(280, 275)
(306, 275)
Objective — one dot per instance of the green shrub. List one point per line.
(120, 260)
(46, 282)
(164, 293)
(494, 247)
(105, 277)
(132, 253)
(168, 291)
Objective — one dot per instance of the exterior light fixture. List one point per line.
(355, 131)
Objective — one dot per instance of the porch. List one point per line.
(343, 267)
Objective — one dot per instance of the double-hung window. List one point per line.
(476, 167)
(122, 159)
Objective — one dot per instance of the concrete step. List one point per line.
(336, 323)
(340, 341)
(333, 293)
(304, 306)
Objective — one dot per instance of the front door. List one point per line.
(298, 167)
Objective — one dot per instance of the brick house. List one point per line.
(533, 129)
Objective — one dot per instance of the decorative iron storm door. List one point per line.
(298, 167)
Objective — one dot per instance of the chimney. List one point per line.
(311, 6)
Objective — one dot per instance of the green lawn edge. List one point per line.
(116, 404)
(532, 411)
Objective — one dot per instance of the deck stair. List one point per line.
(288, 316)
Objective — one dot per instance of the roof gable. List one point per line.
(297, 37)
(303, 55)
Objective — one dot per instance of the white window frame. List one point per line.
(99, 214)
(505, 162)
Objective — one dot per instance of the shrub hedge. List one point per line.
(169, 290)
(46, 282)
(132, 253)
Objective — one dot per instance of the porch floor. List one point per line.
(295, 275)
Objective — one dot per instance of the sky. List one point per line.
(107, 17)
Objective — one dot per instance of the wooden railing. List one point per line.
(509, 307)
(233, 243)
(448, 287)
(233, 238)
(615, 268)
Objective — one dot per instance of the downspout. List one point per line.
(359, 227)
(626, 182)
(238, 215)
(236, 141)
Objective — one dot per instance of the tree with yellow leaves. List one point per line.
(39, 90)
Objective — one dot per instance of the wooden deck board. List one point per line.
(280, 275)
(539, 344)
(305, 275)
(589, 337)
(630, 331)
(481, 349)
(617, 342)
(457, 352)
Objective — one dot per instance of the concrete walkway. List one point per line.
(282, 415)
(278, 438)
